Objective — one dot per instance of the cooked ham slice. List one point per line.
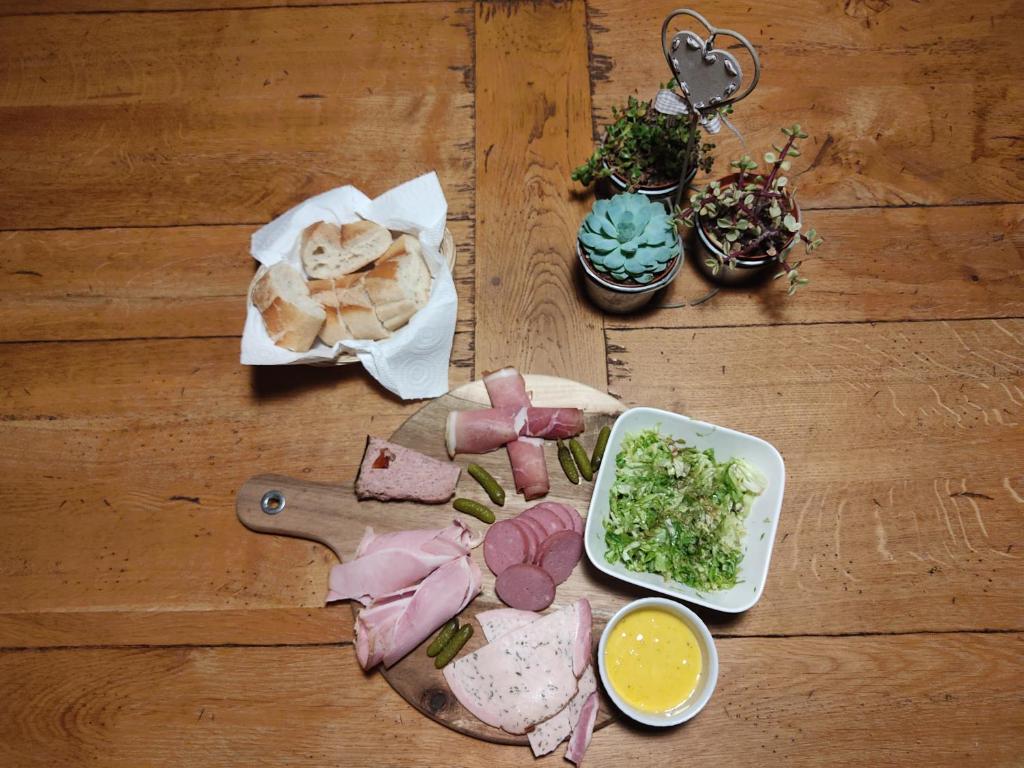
(388, 562)
(527, 675)
(507, 389)
(551, 423)
(584, 730)
(394, 625)
(553, 731)
(529, 470)
(481, 431)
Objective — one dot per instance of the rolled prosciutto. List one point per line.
(393, 625)
(507, 389)
(552, 423)
(386, 563)
(529, 470)
(481, 431)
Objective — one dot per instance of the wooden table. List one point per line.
(143, 141)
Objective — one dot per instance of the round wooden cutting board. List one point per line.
(333, 516)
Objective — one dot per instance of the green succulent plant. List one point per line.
(629, 238)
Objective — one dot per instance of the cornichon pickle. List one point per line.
(568, 465)
(488, 483)
(582, 460)
(458, 640)
(599, 446)
(443, 638)
(474, 508)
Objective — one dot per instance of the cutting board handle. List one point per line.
(289, 507)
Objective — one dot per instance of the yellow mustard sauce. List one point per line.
(653, 660)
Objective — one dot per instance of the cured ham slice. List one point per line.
(584, 730)
(481, 431)
(552, 423)
(526, 675)
(529, 470)
(388, 562)
(507, 389)
(394, 625)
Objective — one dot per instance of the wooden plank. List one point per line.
(888, 264)
(146, 282)
(126, 465)
(940, 700)
(533, 113)
(228, 117)
(903, 448)
(29, 7)
(75, 444)
(271, 626)
(903, 101)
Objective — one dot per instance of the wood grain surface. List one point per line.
(141, 143)
(533, 107)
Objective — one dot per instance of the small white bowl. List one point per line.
(709, 665)
(761, 524)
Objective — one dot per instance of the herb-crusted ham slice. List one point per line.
(394, 625)
(584, 730)
(499, 621)
(527, 675)
(388, 562)
(553, 731)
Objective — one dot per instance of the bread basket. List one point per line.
(447, 250)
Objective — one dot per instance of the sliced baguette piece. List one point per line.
(334, 329)
(399, 285)
(331, 251)
(292, 318)
(362, 322)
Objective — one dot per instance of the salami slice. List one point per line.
(565, 512)
(559, 554)
(505, 545)
(551, 522)
(525, 587)
(533, 541)
(539, 531)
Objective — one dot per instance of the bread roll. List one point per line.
(363, 322)
(328, 250)
(292, 318)
(399, 285)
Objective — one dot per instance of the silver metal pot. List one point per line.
(618, 298)
(664, 195)
(742, 271)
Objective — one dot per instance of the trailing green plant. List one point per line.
(629, 238)
(752, 214)
(644, 147)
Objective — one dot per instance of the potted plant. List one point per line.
(642, 151)
(747, 222)
(628, 248)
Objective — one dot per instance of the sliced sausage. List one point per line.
(551, 522)
(539, 531)
(525, 587)
(504, 545)
(533, 541)
(559, 554)
(565, 512)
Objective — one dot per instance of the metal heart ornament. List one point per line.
(708, 77)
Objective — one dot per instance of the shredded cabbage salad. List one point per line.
(678, 512)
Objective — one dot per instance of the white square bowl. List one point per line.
(761, 523)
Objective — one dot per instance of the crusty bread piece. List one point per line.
(362, 322)
(292, 318)
(331, 251)
(399, 285)
(334, 329)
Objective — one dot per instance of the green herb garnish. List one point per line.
(677, 512)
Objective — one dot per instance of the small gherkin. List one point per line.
(629, 238)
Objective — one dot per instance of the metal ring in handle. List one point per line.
(272, 502)
(713, 32)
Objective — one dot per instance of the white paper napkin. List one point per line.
(412, 362)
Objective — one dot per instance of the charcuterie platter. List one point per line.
(335, 517)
